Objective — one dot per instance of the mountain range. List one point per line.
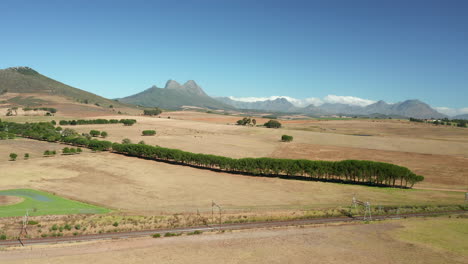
(25, 86)
(408, 108)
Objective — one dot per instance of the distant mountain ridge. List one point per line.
(174, 95)
(408, 108)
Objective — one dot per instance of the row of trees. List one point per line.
(71, 151)
(47, 109)
(97, 121)
(351, 171)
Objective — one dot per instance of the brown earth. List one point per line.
(9, 200)
(374, 243)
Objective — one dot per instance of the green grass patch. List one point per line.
(43, 203)
(445, 233)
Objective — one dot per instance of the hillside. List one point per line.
(174, 96)
(25, 87)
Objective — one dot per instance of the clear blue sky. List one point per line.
(390, 50)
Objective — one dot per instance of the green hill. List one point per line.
(24, 80)
(174, 96)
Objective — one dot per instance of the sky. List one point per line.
(367, 50)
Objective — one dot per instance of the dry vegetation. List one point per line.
(321, 244)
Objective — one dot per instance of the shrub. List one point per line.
(68, 227)
(66, 150)
(168, 234)
(128, 122)
(126, 141)
(77, 226)
(148, 132)
(156, 235)
(196, 232)
(116, 224)
(13, 156)
(79, 150)
(26, 156)
(3, 237)
(142, 142)
(47, 153)
(31, 222)
(273, 124)
(286, 138)
(54, 227)
(104, 134)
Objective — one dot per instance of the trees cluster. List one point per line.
(247, 121)
(444, 121)
(351, 171)
(148, 132)
(152, 112)
(49, 153)
(286, 138)
(97, 133)
(96, 121)
(272, 124)
(71, 151)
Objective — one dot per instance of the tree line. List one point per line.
(97, 121)
(346, 171)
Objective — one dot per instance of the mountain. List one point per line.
(464, 116)
(174, 96)
(408, 108)
(277, 105)
(23, 86)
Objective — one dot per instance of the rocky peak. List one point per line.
(171, 84)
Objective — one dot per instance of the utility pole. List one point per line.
(24, 227)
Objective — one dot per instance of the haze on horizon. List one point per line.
(309, 50)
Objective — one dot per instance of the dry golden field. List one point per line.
(402, 241)
(150, 187)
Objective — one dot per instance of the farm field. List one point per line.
(443, 162)
(386, 241)
(42, 203)
(150, 187)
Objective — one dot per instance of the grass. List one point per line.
(446, 233)
(42, 203)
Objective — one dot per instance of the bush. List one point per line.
(66, 150)
(156, 235)
(286, 138)
(116, 224)
(126, 141)
(31, 222)
(104, 134)
(128, 122)
(77, 226)
(149, 132)
(79, 150)
(168, 234)
(273, 124)
(196, 232)
(54, 227)
(26, 156)
(68, 227)
(13, 156)
(3, 237)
